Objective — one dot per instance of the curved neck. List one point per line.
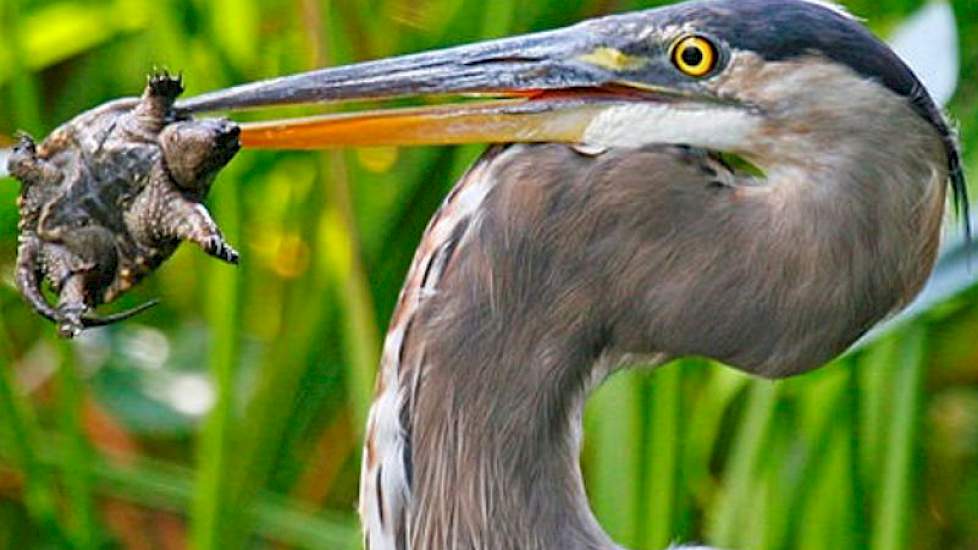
(474, 438)
(496, 442)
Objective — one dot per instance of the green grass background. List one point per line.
(878, 450)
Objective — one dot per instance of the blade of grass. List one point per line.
(812, 434)
(614, 464)
(21, 436)
(824, 513)
(271, 404)
(720, 388)
(778, 482)
(234, 24)
(76, 468)
(859, 516)
(212, 505)
(278, 391)
(874, 373)
(893, 519)
(361, 333)
(662, 472)
(498, 18)
(165, 486)
(729, 517)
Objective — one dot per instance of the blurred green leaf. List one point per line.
(60, 31)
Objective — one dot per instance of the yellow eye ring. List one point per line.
(694, 56)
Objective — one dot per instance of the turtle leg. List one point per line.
(25, 165)
(92, 253)
(155, 105)
(37, 259)
(72, 306)
(191, 221)
(28, 276)
(82, 291)
(79, 268)
(161, 213)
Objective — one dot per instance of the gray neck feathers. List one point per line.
(496, 423)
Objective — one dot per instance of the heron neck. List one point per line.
(497, 442)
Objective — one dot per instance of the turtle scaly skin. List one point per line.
(107, 197)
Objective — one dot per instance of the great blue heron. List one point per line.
(620, 231)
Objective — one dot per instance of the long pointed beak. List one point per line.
(539, 119)
(552, 86)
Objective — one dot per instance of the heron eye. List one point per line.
(694, 55)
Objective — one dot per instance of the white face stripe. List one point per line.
(638, 124)
(384, 488)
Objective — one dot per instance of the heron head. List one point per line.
(788, 82)
(780, 82)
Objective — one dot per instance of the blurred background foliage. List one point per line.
(231, 415)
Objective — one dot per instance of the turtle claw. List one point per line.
(25, 144)
(217, 247)
(23, 162)
(162, 84)
(70, 322)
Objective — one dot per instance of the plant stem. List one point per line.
(214, 503)
(76, 467)
(19, 430)
(893, 512)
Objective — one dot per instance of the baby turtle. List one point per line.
(107, 197)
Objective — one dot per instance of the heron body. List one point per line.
(549, 266)
(503, 328)
(613, 228)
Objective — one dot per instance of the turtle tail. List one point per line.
(89, 322)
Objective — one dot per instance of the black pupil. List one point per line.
(692, 56)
